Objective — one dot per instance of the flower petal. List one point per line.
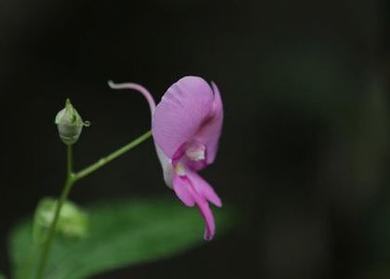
(208, 217)
(181, 186)
(204, 209)
(166, 165)
(211, 130)
(181, 112)
(203, 188)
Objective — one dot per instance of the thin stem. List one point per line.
(105, 160)
(69, 161)
(65, 192)
(71, 179)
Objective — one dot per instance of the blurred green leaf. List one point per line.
(72, 222)
(2, 276)
(121, 233)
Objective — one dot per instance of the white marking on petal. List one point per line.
(196, 152)
(180, 169)
(166, 164)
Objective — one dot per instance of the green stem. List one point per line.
(69, 161)
(71, 179)
(65, 192)
(105, 160)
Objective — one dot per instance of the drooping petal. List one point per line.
(203, 188)
(204, 209)
(186, 189)
(181, 186)
(181, 112)
(210, 130)
(208, 217)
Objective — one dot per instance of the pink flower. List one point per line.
(186, 126)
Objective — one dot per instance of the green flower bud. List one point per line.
(69, 124)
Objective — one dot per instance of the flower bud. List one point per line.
(69, 124)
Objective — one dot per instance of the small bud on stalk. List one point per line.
(69, 124)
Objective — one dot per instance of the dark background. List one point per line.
(304, 154)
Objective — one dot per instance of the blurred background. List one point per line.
(304, 155)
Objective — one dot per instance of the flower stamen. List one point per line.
(180, 169)
(196, 152)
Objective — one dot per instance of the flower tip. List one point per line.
(111, 84)
(114, 85)
(138, 88)
(208, 237)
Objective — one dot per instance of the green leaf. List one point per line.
(2, 276)
(120, 234)
(72, 221)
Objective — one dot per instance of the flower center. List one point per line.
(180, 169)
(196, 152)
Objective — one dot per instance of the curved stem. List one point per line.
(71, 179)
(105, 160)
(137, 87)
